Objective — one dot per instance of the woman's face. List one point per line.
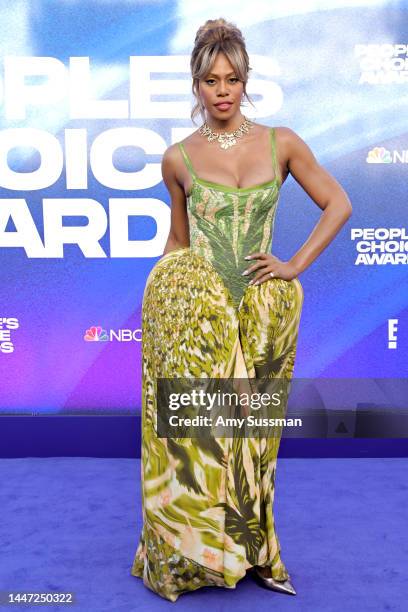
(220, 90)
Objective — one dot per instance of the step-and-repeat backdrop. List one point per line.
(92, 92)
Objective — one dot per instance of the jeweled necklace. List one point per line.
(226, 139)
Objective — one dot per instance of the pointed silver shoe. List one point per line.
(282, 586)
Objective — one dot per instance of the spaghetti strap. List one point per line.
(274, 155)
(187, 160)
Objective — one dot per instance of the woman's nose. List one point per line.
(222, 88)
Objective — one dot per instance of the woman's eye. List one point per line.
(233, 79)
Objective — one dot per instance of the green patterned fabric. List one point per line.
(207, 503)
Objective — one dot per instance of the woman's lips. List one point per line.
(223, 106)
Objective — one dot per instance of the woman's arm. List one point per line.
(324, 190)
(179, 229)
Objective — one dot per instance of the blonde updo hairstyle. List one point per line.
(214, 36)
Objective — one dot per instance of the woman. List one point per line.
(218, 304)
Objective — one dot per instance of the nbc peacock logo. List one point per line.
(96, 334)
(379, 155)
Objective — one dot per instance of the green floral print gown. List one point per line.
(208, 508)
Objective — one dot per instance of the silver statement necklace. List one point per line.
(226, 139)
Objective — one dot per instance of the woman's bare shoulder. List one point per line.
(172, 154)
(172, 164)
(286, 136)
(289, 143)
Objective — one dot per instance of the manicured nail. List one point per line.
(250, 282)
(247, 257)
(245, 272)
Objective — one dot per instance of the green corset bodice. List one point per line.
(228, 223)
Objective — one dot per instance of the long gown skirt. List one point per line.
(207, 507)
